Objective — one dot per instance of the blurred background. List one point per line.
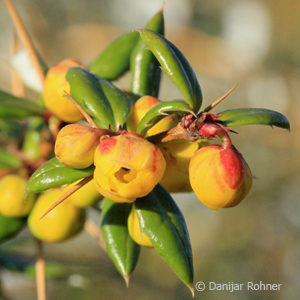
(254, 43)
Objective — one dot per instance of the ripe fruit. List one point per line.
(219, 177)
(86, 195)
(55, 87)
(63, 222)
(135, 230)
(75, 145)
(140, 108)
(13, 202)
(127, 167)
(177, 154)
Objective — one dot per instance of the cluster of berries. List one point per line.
(128, 166)
(126, 148)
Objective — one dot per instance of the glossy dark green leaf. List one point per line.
(122, 250)
(52, 174)
(158, 227)
(144, 67)
(85, 89)
(32, 139)
(10, 227)
(114, 60)
(253, 116)
(176, 217)
(16, 107)
(160, 111)
(119, 101)
(175, 65)
(9, 161)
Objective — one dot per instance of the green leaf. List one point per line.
(144, 67)
(85, 89)
(122, 250)
(9, 161)
(53, 173)
(175, 65)
(162, 233)
(249, 116)
(119, 101)
(176, 217)
(10, 227)
(114, 60)
(159, 111)
(19, 108)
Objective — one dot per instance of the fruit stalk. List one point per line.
(40, 270)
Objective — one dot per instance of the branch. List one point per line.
(40, 272)
(17, 86)
(25, 38)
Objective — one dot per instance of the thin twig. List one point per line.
(17, 86)
(71, 191)
(215, 103)
(92, 229)
(25, 38)
(40, 269)
(84, 113)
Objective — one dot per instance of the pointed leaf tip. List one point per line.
(253, 116)
(127, 280)
(192, 290)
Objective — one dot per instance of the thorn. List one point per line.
(215, 103)
(71, 191)
(84, 113)
(25, 38)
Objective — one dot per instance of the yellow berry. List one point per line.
(177, 154)
(134, 229)
(13, 202)
(55, 87)
(140, 108)
(75, 145)
(63, 222)
(127, 167)
(219, 177)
